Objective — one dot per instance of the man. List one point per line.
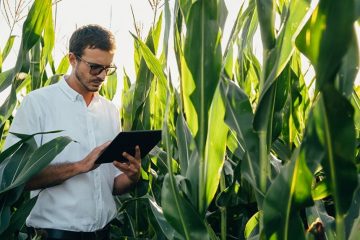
(75, 198)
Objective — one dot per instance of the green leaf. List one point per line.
(185, 6)
(166, 30)
(108, 89)
(199, 78)
(9, 105)
(157, 31)
(152, 63)
(355, 231)
(322, 45)
(276, 57)
(239, 118)
(31, 33)
(144, 78)
(49, 39)
(18, 218)
(127, 96)
(11, 167)
(39, 159)
(6, 201)
(334, 115)
(200, 73)
(157, 95)
(10, 150)
(291, 188)
(215, 147)
(318, 213)
(330, 140)
(185, 143)
(251, 225)
(63, 66)
(5, 81)
(353, 213)
(320, 190)
(8, 47)
(179, 212)
(349, 68)
(266, 14)
(35, 23)
(35, 66)
(165, 227)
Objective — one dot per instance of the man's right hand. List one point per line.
(88, 163)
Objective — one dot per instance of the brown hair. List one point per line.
(91, 36)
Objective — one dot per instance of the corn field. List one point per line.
(251, 148)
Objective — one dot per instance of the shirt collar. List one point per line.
(71, 93)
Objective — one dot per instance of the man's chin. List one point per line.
(95, 88)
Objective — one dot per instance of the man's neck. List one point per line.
(74, 84)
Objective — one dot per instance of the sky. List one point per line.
(113, 14)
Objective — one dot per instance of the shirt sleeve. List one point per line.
(26, 121)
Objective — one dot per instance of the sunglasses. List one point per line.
(96, 69)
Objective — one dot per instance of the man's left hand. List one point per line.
(131, 169)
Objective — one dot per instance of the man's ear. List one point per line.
(72, 59)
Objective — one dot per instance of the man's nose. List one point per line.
(102, 74)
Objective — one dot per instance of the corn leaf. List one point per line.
(266, 13)
(330, 140)
(18, 218)
(144, 78)
(239, 117)
(317, 213)
(292, 187)
(35, 66)
(185, 144)
(179, 212)
(158, 88)
(349, 68)
(31, 164)
(164, 226)
(315, 40)
(108, 89)
(31, 33)
(8, 47)
(6, 201)
(215, 146)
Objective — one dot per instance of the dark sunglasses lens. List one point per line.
(96, 69)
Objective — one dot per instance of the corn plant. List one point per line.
(251, 148)
(244, 134)
(24, 159)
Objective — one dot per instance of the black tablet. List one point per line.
(126, 142)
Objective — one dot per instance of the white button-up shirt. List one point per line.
(83, 202)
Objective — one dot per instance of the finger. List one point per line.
(102, 147)
(124, 167)
(137, 153)
(129, 157)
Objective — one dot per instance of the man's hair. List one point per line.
(91, 36)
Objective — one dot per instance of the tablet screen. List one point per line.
(126, 142)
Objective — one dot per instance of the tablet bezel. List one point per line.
(126, 141)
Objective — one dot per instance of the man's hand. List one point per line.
(56, 174)
(131, 169)
(88, 163)
(131, 172)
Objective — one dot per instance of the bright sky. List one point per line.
(113, 14)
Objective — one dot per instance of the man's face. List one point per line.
(87, 66)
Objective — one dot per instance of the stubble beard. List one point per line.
(84, 84)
